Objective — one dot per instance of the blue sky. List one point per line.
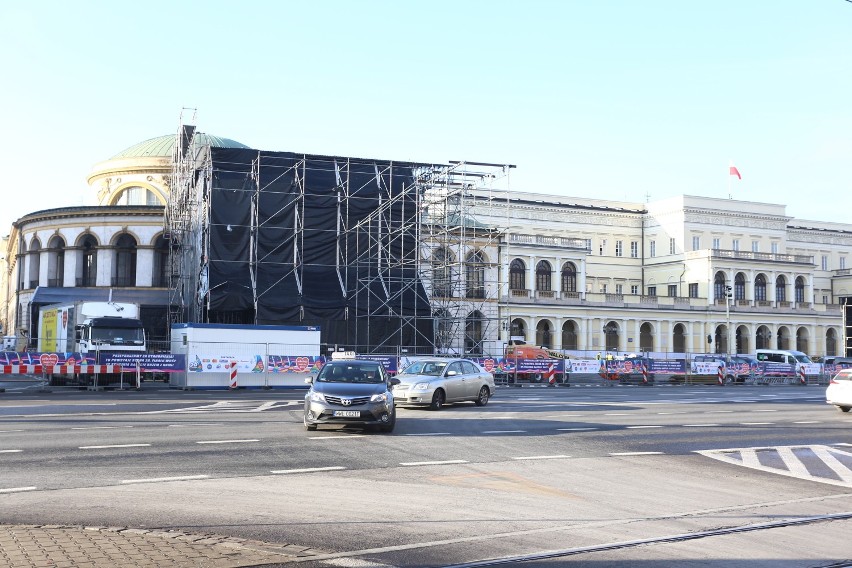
(613, 99)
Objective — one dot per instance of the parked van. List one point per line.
(781, 356)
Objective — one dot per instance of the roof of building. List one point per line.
(162, 146)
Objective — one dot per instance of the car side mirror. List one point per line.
(309, 380)
(451, 373)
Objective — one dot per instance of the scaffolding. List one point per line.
(412, 267)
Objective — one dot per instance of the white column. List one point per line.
(104, 276)
(581, 279)
(144, 266)
(69, 279)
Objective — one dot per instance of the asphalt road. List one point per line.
(663, 476)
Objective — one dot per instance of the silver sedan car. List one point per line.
(435, 382)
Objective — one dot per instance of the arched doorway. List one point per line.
(679, 338)
(646, 338)
(569, 335)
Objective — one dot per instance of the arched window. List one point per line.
(802, 340)
(124, 268)
(443, 330)
(719, 286)
(136, 195)
(87, 268)
(763, 338)
(739, 286)
(569, 278)
(542, 276)
(518, 329)
(646, 338)
(473, 333)
(161, 262)
(679, 338)
(781, 289)
(543, 335)
(517, 275)
(760, 288)
(569, 335)
(830, 342)
(475, 271)
(610, 331)
(442, 282)
(800, 290)
(741, 342)
(35, 262)
(56, 262)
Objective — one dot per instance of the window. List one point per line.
(619, 289)
(739, 287)
(672, 290)
(824, 262)
(842, 262)
(603, 288)
(517, 275)
(619, 248)
(755, 246)
(442, 273)
(634, 249)
(652, 290)
(653, 249)
(475, 271)
(760, 288)
(825, 299)
(774, 248)
(696, 243)
(634, 289)
(602, 248)
(800, 289)
(671, 246)
(124, 271)
(735, 244)
(87, 267)
(717, 243)
(542, 276)
(781, 289)
(693, 290)
(569, 277)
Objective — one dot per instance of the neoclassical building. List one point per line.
(115, 250)
(682, 275)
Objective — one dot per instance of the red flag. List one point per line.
(734, 172)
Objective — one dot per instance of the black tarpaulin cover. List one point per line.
(312, 266)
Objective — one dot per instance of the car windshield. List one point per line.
(350, 373)
(802, 358)
(433, 368)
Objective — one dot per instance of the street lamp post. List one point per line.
(728, 295)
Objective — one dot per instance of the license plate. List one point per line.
(348, 413)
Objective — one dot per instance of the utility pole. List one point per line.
(728, 296)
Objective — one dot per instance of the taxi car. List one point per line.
(435, 382)
(351, 392)
(839, 391)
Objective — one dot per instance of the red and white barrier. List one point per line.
(721, 375)
(802, 377)
(61, 369)
(233, 368)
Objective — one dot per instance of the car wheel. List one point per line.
(308, 426)
(482, 399)
(844, 408)
(438, 400)
(388, 428)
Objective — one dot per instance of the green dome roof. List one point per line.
(162, 146)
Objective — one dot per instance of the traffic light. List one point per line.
(729, 292)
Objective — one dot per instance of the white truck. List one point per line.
(90, 327)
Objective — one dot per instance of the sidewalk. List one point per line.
(57, 546)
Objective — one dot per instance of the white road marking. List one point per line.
(444, 462)
(430, 434)
(756, 423)
(698, 425)
(808, 422)
(793, 465)
(642, 427)
(17, 489)
(161, 479)
(541, 457)
(765, 410)
(99, 427)
(114, 446)
(667, 413)
(308, 469)
(4, 431)
(503, 431)
(336, 437)
(227, 441)
(10, 451)
(636, 453)
(191, 424)
(574, 429)
(617, 414)
(719, 411)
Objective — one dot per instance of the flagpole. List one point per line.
(730, 163)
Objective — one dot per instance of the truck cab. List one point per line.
(109, 334)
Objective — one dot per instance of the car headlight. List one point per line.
(420, 386)
(317, 397)
(381, 397)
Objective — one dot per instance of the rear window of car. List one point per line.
(844, 375)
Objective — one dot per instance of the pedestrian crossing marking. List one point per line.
(823, 464)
